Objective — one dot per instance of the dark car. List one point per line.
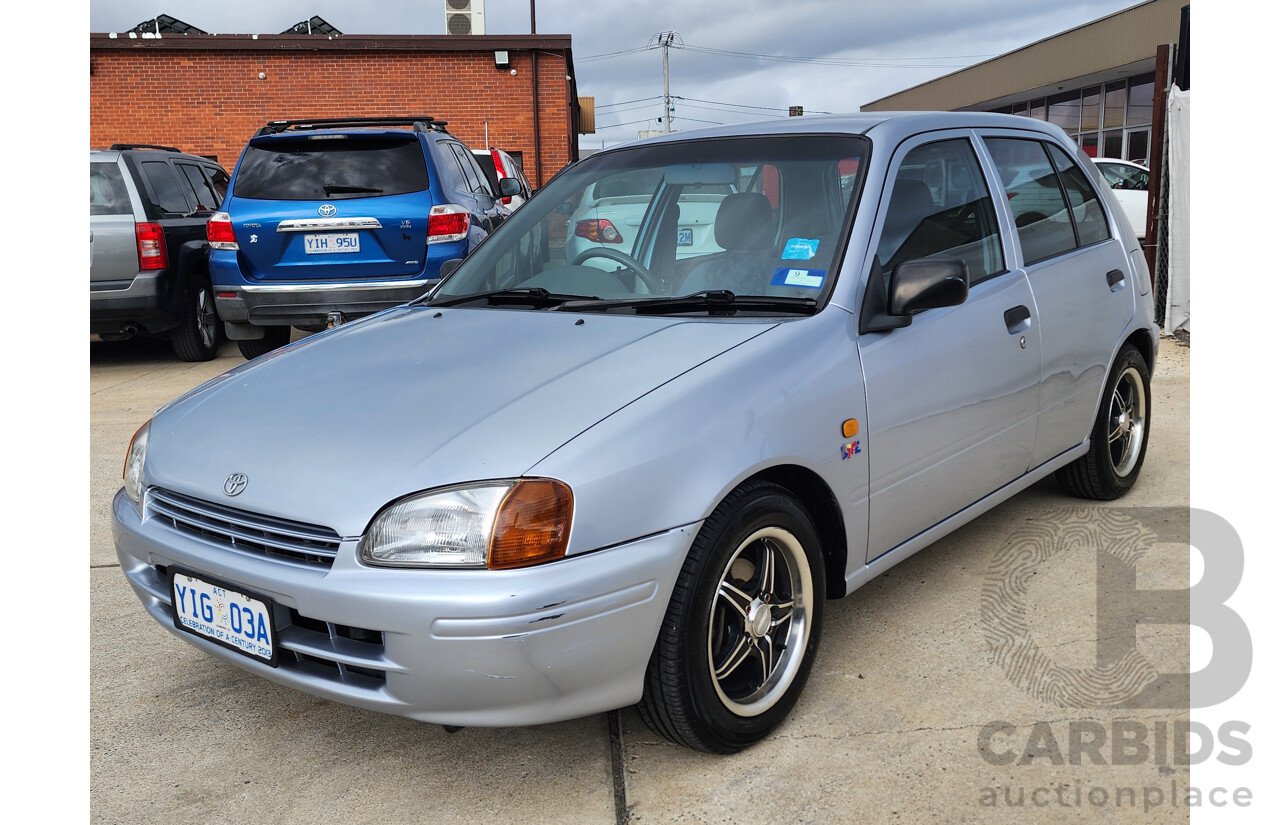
(148, 255)
(330, 220)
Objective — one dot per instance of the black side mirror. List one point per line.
(927, 283)
(508, 187)
(447, 268)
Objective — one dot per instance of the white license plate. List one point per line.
(230, 618)
(684, 237)
(331, 242)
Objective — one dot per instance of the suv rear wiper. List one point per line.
(534, 296)
(330, 188)
(715, 301)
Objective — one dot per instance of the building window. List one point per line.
(1064, 111)
(1112, 121)
(1142, 92)
(1090, 110)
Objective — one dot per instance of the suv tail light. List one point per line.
(220, 233)
(152, 253)
(447, 222)
(598, 230)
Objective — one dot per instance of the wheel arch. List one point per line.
(815, 496)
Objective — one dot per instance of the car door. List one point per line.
(1077, 271)
(951, 398)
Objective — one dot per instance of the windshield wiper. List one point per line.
(330, 188)
(522, 296)
(714, 301)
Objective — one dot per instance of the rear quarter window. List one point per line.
(107, 192)
(330, 169)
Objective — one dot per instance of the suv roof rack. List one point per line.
(121, 146)
(419, 124)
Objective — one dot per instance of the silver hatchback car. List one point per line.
(551, 488)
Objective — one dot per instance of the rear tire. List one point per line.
(1118, 443)
(273, 338)
(196, 337)
(742, 627)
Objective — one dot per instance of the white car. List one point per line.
(1128, 181)
(610, 215)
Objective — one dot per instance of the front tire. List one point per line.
(273, 338)
(196, 336)
(742, 627)
(1118, 442)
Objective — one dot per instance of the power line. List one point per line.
(625, 102)
(883, 63)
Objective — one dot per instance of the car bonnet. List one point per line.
(331, 429)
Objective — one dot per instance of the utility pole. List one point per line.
(664, 40)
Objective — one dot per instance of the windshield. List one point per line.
(754, 217)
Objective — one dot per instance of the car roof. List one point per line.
(882, 125)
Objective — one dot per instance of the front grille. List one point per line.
(274, 538)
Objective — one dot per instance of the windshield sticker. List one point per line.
(800, 249)
(809, 278)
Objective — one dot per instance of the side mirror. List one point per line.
(927, 283)
(447, 268)
(508, 187)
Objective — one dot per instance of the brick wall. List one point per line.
(203, 94)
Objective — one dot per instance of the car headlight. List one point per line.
(133, 461)
(494, 524)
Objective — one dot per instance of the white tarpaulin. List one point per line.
(1177, 313)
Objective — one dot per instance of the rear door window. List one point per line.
(1039, 205)
(1086, 210)
(165, 187)
(332, 168)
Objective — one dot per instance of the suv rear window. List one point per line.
(107, 195)
(330, 169)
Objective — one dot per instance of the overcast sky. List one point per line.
(872, 47)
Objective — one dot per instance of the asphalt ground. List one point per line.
(914, 711)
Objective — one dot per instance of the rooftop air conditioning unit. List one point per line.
(464, 16)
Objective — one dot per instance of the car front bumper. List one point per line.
(456, 647)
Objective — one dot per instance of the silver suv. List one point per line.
(148, 254)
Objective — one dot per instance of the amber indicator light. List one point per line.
(532, 525)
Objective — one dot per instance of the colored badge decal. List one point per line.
(850, 449)
(800, 249)
(807, 278)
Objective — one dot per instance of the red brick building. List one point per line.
(207, 94)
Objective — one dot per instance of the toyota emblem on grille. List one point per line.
(328, 210)
(235, 484)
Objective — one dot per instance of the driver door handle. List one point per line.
(1017, 319)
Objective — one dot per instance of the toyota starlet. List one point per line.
(560, 484)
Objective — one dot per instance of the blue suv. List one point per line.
(329, 220)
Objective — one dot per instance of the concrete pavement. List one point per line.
(905, 695)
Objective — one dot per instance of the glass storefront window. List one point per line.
(1038, 109)
(1064, 111)
(1141, 94)
(1089, 111)
(1089, 143)
(1113, 107)
(1140, 147)
(1113, 144)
